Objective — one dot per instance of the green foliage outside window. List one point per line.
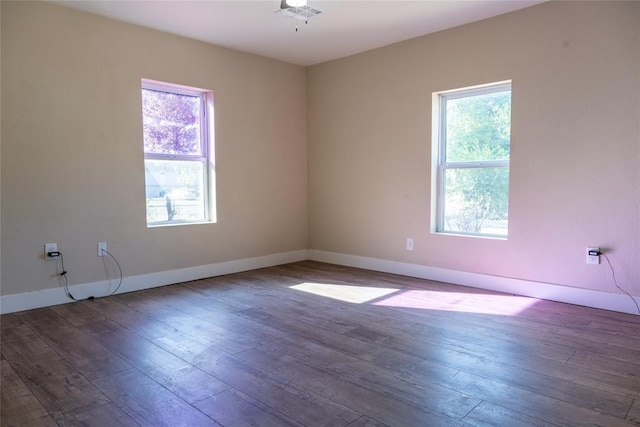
(476, 175)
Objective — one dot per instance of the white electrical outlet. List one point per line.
(102, 248)
(593, 259)
(50, 247)
(409, 244)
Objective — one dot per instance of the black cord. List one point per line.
(119, 268)
(615, 282)
(63, 274)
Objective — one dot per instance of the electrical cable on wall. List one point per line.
(63, 275)
(615, 282)
(119, 269)
(65, 281)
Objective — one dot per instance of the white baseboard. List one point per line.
(584, 297)
(55, 296)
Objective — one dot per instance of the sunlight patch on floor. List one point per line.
(506, 305)
(346, 293)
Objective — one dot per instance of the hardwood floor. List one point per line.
(311, 344)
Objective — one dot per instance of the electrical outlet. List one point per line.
(50, 247)
(102, 248)
(409, 244)
(593, 259)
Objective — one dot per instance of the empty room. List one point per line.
(320, 213)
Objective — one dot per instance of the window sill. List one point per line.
(475, 236)
(177, 223)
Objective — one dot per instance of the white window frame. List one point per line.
(439, 150)
(206, 153)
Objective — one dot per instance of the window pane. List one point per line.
(171, 122)
(175, 190)
(478, 127)
(477, 200)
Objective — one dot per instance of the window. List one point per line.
(177, 154)
(472, 134)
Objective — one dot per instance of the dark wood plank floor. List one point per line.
(311, 344)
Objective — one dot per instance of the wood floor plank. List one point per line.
(552, 318)
(625, 330)
(378, 404)
(148, 403)
(607, 364)
(20, 340)
(392, 358)
(92, 358)
(101, 416)
(589, 338)
(79, 314)
(464, 330)
(131, 319)
(531, 404)
(288, 397)
(59, 387)
(234, 333)
(18, 405)
(232, 408)
(590, 377)
(487, 414)
(591, 395)
(365, 421)
(424, 394)
(163, 303)
(8, 321)
(201, 329)
(170, 371)
(634, 412)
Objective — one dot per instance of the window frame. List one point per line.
(205, 156)
(439, 152)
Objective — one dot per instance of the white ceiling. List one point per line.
(344, 28)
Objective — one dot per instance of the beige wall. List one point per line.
(575, 164)
(72, 160)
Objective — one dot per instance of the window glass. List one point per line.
(177, 164)
(478, 127)
(472, 160)
(175, 190)
(171, 122)
(477, 200)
